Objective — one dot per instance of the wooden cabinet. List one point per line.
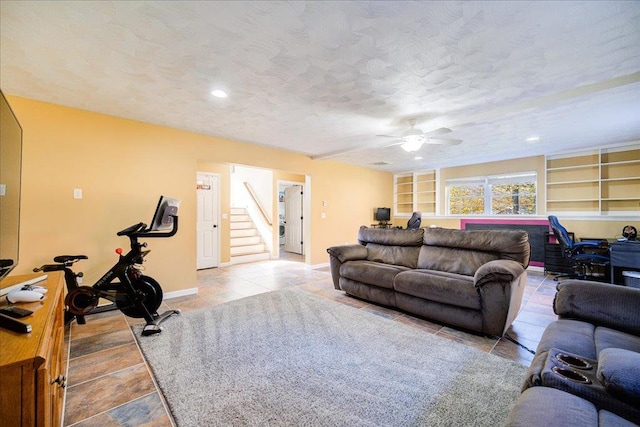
(33, 366)
(597, 182)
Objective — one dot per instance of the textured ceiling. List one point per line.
(324, 78)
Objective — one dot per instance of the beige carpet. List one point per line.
(290, 358)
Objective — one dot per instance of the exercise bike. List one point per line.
(129, 291)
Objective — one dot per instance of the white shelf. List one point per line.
(585, 181)
(594, 179)
(564, 168)
(418, 192)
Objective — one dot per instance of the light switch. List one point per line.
(3, 189)
(77, 193)
(323, 215)
(225, 216)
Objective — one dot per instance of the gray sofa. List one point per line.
(599, 324)
(469, 279)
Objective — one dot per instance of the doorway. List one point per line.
(208, 232)
(291, 220)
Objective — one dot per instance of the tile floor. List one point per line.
(109, 383)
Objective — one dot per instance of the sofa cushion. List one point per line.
(406, 256)
(439, 286)
(573, 336)
(603, 304)
(501, 244)
(390, 236)
(452, 260)
(619, 372)
(612, 338)
(543, 406)
(371, 273)
(369, 293)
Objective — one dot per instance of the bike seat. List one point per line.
(69, 258)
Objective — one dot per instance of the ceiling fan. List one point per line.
(413, 138)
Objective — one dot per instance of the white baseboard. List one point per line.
(535, 268)
(181, 293)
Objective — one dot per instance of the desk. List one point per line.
(624, 255)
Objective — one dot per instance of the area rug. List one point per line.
(291, 358)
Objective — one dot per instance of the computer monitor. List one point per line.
(165, 211)
(383, 214)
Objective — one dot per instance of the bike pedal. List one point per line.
(151, 329)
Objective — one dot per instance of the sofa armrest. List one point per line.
(344, 253)
(500, 270)
(500, 284)
(613, 306)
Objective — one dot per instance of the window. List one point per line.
(513, 194)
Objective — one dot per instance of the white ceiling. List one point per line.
(324, 78)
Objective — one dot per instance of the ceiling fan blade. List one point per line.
(390, 136)
(437, 141)
(440, 131)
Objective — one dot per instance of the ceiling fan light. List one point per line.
(411, 145)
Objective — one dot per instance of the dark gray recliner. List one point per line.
(598, 323)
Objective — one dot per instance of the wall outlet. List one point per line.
(77, 193)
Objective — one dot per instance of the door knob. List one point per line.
(215, 225)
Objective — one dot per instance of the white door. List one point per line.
(293, 219)
(207, 187)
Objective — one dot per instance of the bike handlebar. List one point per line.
(140, 230)
(150, 233)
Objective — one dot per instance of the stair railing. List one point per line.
(258, 204)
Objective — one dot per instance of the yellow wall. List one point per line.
(123, 166)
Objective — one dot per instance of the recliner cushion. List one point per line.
(573, 336)
(619, 372)
(439, 286)
(612, 338)
(371, 273)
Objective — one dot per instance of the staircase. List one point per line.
(246, 243)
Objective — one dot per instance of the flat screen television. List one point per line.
(10, 178)
(383, 214)
(165, 211)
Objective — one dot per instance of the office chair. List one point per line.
(415, 220)
(575, 251)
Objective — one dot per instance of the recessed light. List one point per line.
(418, 158)
(219, 93)
(533, 139)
